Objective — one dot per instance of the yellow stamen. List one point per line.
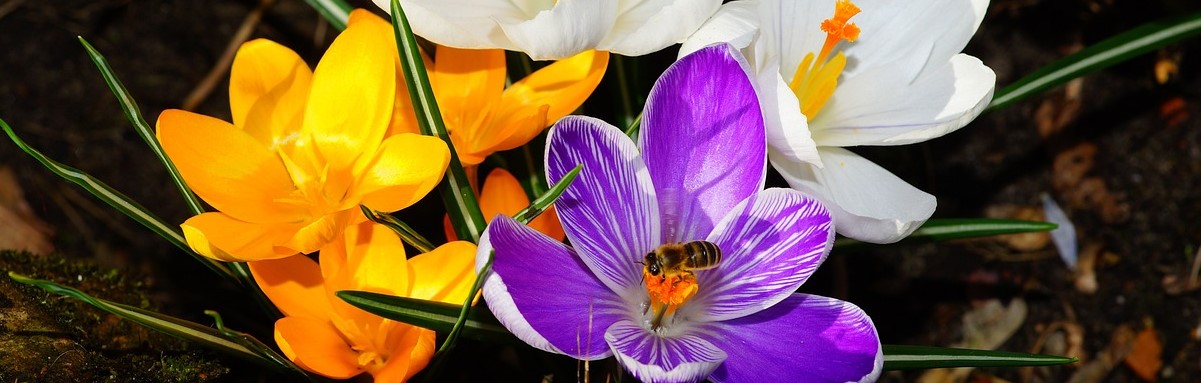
(817, 77)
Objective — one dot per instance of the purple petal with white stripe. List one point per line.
(770, 244)
(804, 338)
(703, 141)
(609, 212)
(654, 358)
(541, 291)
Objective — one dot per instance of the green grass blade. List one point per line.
(1122, 47)
(544, 201)
(118, 201)
(130, 107)
(336, 12)
(959, 228)
(437, 316)
(460, 201)
(904, 357)
(176, 327)
(406, 233)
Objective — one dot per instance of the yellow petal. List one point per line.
(294, 285)
(468, 84)
(506, 133)
(221, 237)
(312, 236)
(404, 170)
(411, 353)
(563, 86)
(404, 119)
(444, 274)
(268, 89)
(316, 346)
(226, 167)
(367, 257)
(351, 101)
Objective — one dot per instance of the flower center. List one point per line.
(668, 292)
(816, 77)
(369, 360)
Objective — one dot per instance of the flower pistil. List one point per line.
(667, 293)
(815, 80)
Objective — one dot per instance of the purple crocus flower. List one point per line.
(697, 173)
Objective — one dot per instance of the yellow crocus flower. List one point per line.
(304, 149)
(327, 336)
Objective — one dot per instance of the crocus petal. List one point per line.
(227, 167)
(734, 23)
(404, 169)
(268, 89)
(890, 30)
(317, 346)
(879, 107)
(468, 84)
(444, 274)
(562, 87)
(220, 237)
(788, 31)
(655, 358)
(868, 202)
(411, 354)
(770, 244)
(502, 194)
(570, 27)
(314, 235)
(357, 73)
(467, 24)
(294, 284)
(650, 25)
(805, 338)
(541, 291)
(366, 257)
(703, 141)
(609, 212)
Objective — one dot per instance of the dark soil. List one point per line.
(1136, 203)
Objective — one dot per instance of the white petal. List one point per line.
(890, 30)
(734, 23)
(788, 132)
(571, 27)
(789, 30)
(651, 25)
(469, 24)
(879, 107)
(869, 203)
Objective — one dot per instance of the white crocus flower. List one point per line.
(556, 29)
(892, 75)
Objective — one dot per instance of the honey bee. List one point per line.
(676, 259)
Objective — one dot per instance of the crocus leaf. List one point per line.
(460, 201)
(1122, 47)
(336, 12)
(134, 114)
(406, 233)
(232, 342)
(544, 201)
(437, 316)
(905, 357)
(947, 229)
(118, 201)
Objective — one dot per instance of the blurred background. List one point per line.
(1119, 151)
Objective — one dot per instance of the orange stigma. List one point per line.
(667, 293)
(816, 77)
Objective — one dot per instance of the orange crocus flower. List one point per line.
(325, 335)
(502, 194)
(483, 116)
(304, 149)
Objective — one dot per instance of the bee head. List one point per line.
(652, 264)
